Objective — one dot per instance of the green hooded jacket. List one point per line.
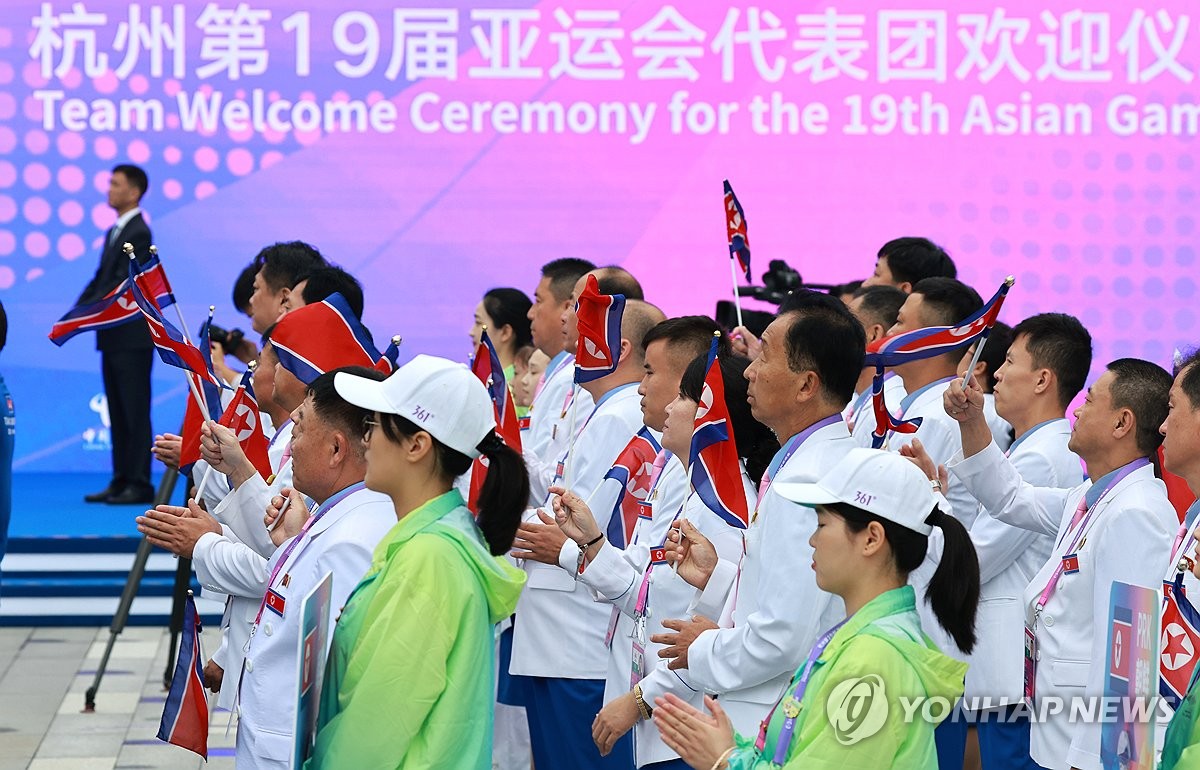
(852, 714)
(409, 680)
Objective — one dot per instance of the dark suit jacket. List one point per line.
(114, 268)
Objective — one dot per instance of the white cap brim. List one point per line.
(806, 494)
(362, 392)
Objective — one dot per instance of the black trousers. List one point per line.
(127, 388)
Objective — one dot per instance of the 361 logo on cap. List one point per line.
(421, 414)
(862, 498)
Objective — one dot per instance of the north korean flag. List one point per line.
(194, 415)
(634, 469)
(243, 418)
(1120, 650)
(884, 419)
(185, 715)
(117, 307)
(321, 337)
(486, 366)
(1178, 643)
(599, 343)
(172, 347)
(735, 228)
(715, 467)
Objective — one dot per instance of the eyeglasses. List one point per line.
(368, 426)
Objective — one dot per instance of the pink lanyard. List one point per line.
(1081, 530)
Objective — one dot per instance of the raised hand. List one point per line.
(692, 554)
(573, 516)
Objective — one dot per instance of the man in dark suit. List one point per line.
(126, 352)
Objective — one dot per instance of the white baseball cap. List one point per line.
(878, 482)
(439, 396)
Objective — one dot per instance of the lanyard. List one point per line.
(1081, 530)
(279, 432)
(791, 703)
(316, 516)
(560, 469)
(783, 455)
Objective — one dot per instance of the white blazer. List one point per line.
(554, 607)
(341, 542)
(1009, 557)
(1128, 539)
(1001, 430)
(550, 418)
(615, 576)
(771, 616)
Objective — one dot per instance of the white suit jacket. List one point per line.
(615, 576)
(1009, 557)
(554, 607)
(775, 608)
(549, 425)
(1128, 539)
(341, 542)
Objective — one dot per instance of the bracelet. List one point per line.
(721, 759)
(590, 543)
(644, 708)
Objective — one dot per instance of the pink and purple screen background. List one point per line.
(1100, 225)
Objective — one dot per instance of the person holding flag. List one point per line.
(749, 609)
(487, 367)
(875, 514)
(125, 349)
(564, 684)
(338, 535)
(638, 582)
(1118, 526)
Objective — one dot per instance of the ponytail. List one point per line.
(953, 592)
(504, 495)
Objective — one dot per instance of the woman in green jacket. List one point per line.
(874, 687)
(409, 681)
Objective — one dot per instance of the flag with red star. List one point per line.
(634, 469)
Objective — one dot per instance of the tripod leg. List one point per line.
(166, 488)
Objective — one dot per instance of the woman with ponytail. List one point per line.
(410, 673)
(873, 688)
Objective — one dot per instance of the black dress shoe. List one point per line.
(101, 496)
(131, 496)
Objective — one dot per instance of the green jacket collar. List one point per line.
(414, 523)
(893, 602)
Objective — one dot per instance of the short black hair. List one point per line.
(826, 338)
(564, 273)
(136, 176)
(994, 352)
(337, 411)
(946, 302)
(325, 280)
(911, 259)
(1060, 343)
(510, 307)
(1144, 388)
(284, 264)
(693, 334)
(618, 280)
(1190, 384)
(881, 304)
(243, 287)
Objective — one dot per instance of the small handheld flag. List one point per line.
(599, 318)
(387, 362)
(242, 417)
(715, 467)
(1180, 642)
(926, 343)
(195, 413)
(117, 307)
(634, 469)
(735, 227)
(486, 366)
(185, 714)
(321, 337)
(173, 348)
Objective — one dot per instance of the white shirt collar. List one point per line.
(124, 218)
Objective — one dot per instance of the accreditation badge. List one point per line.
(1031, 654)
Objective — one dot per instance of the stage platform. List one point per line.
(68, 561)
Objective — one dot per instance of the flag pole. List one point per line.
(570, 438)
(737, 301)
(970, 373)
